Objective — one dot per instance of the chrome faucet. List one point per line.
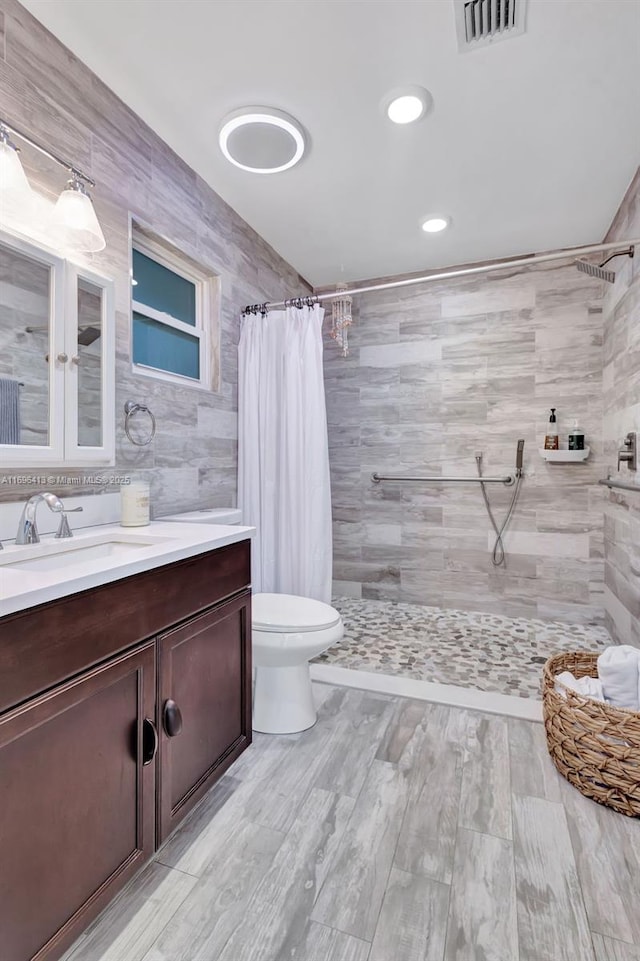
(27, 530)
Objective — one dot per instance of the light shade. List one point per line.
(262, 140)
(16, 195)
(433, 225)
(74, 224)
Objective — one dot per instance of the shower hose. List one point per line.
(498, 557)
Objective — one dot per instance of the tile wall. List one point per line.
(621, 384)
(435, 374)
(53, 96)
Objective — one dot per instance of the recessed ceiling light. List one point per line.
(407, 104)
(262, 140)
(433, 225)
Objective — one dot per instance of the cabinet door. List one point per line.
(205, 705)
(76, 802)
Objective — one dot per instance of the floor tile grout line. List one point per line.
(513, 861)
(171, 867)
(627, 944)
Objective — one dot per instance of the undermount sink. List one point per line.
(47, 556)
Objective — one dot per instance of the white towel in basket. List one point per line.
(586, 686)
(619, 672)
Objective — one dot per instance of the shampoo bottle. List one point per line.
(551, 440)
(576, 437)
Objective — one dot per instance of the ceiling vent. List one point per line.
(480, 22)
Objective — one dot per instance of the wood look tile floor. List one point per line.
(393, 830)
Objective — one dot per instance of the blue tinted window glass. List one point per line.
(162, 347)
(160, 288)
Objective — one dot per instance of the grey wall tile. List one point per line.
(477, 366)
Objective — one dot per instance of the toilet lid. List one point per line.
(287, 613)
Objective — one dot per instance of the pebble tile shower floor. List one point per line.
(485, 651)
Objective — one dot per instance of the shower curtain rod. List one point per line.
(525, 261)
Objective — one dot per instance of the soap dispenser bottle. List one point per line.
(551, 440)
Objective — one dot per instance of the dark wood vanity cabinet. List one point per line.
(204, 705)
(97, 769)
(76, 800)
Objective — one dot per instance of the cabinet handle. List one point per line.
(172, 718)
(63, 358)
(149, 741)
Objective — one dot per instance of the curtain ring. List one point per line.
(130, 409)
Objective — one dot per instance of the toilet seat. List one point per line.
(290, 614)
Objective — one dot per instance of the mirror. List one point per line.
(25, 319)
(89, 362)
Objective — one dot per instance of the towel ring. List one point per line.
(131, 408)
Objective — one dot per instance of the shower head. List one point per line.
(597, 270)
(87, 335)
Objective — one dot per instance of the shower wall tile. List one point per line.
(559, 543)
(394, 355)
(51, 94)
(477, 364)
(621, 397)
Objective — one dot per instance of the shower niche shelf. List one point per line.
(564, 456)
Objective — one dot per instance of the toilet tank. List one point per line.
(208, 515)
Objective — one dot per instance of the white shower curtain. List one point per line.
(283, 452)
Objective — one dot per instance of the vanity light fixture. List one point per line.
(16, 195)
(407, 104)
(433, 225)
(74, 223)
(262, 140)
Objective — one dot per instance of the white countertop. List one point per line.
(143, 548)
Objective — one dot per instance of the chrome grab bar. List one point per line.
(507, 481)
(621, 485)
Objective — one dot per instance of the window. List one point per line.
(172, 322)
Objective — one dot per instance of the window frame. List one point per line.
(202, 330)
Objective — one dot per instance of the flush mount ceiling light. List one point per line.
(407, 104)
(433, 225)
(262, 140)
(74, 223)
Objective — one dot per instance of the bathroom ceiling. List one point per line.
(531, 142)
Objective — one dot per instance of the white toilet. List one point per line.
(287, 632)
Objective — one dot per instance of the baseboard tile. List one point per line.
(528, 709)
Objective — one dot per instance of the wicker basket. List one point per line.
(595, 746)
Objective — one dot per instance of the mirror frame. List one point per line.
(63, 450)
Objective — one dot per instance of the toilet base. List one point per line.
(283, 700)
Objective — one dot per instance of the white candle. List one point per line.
(134, 504)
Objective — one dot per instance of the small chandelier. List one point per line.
(341, 318)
